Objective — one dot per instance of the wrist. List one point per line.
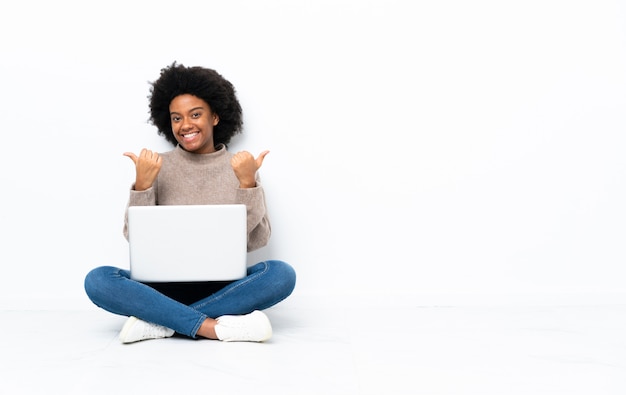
(246, 185)
(141, 187)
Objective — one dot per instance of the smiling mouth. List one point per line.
(189, 136)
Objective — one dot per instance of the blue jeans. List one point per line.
(266, 284)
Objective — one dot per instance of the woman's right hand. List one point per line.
(147, 166)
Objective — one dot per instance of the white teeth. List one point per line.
(190, 135)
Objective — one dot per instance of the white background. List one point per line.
(419, 149)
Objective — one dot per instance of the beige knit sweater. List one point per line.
(187, 178)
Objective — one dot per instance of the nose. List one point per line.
(186, 124)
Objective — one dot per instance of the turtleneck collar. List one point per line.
(220, 151)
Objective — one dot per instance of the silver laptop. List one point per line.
(187, 243)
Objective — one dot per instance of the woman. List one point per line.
(196, 110)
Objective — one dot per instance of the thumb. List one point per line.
(132, 156)
(259, 160)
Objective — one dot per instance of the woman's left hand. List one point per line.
(245, 167)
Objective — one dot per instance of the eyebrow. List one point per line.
(193, 109)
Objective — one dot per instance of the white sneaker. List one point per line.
(253, 327)
(135, 330)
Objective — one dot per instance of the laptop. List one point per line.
(186, 243)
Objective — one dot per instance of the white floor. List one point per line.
(324, 350)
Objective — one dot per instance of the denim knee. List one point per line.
(284, 277)
(96, 282)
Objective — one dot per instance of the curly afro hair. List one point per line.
(203, 83)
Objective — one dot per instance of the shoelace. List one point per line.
(154, 330)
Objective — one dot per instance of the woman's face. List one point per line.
(192, 123)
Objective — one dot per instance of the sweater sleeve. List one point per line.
(138, 198)
(259, 228)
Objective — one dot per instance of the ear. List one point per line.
(216, 119)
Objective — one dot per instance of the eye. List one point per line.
(196, 115)
(175, 118)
